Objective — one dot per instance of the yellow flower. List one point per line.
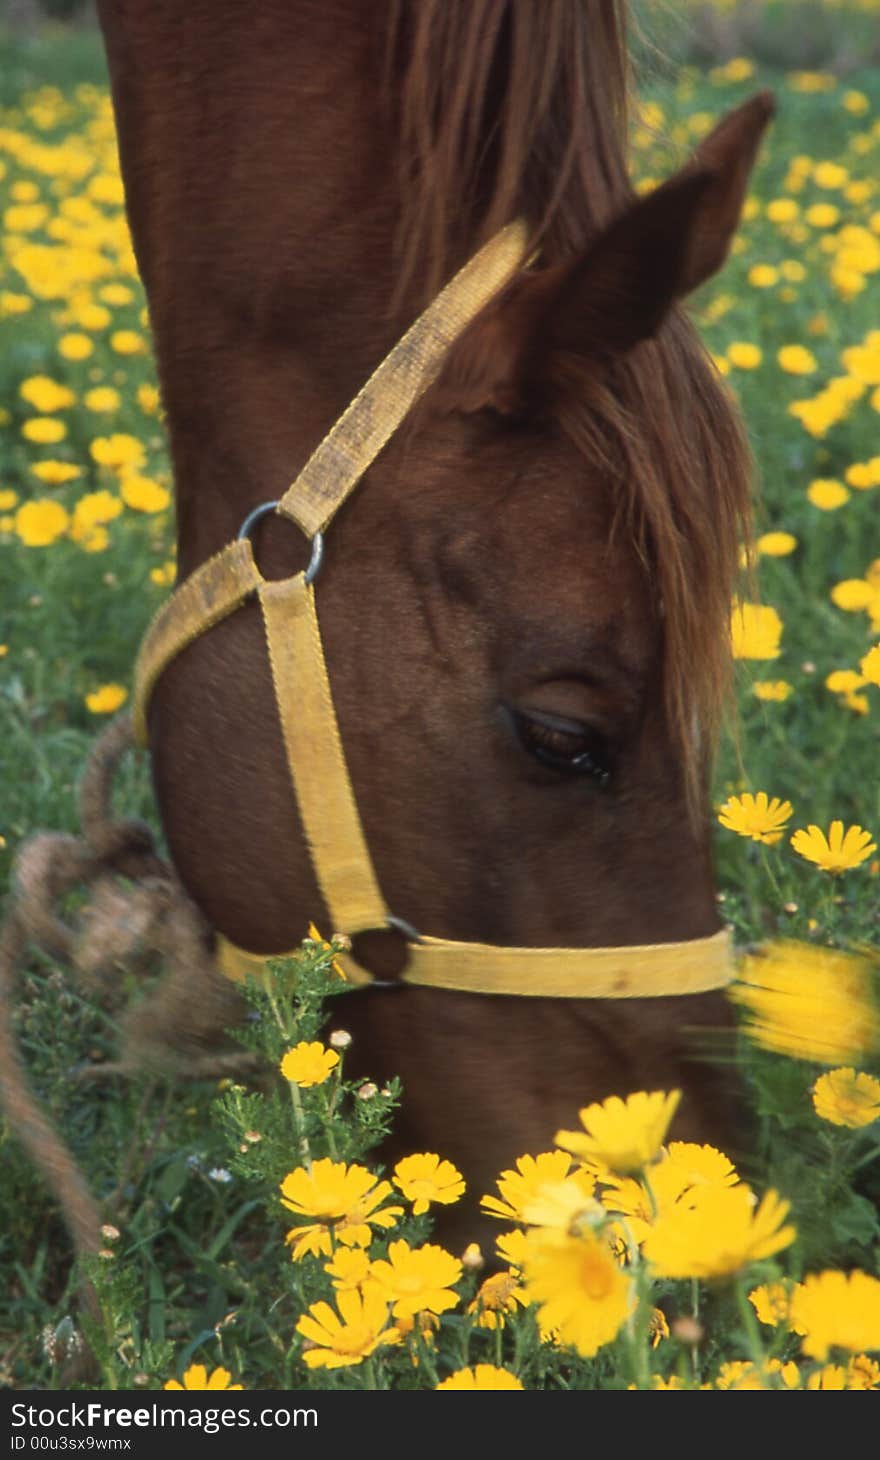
(41, 522)
(197, 1377)
(349, 1268)
(626, 1135)
(772, 689)
(308, 1064)
(743, 355)
(833, 1376)
(852, 595)
(822, 215)
(91, 316)
(14, 303)
(683, 1167)
(757, 817)
(75, 346)
(107, 699)
(776, 544)
(46, 395)
(843, 681)
(782, 210)
(481, 1376)
(518, 1188)
(830, 175)
(56, 473)
(44, 430)
(743, 1374)
(755, 631)
(102, 398)
(128, 342)
(568, 1205)
(870, 665)
(425, 1178)
(772, 1302)
(144, 495)
(120, 452)
(339, 1340)
(807, 1002)
(846, 1098)
(583, 1294)
(116, 294)
(827, 495)
(717, 1232)
(417, 1279)
(499, 1294)
(839, 851)
(699, 1165)
(8, 499)
(347, 1200)
(148, 399)
(763, 276)
(94, 507)
(862, 1373)
(863, 475)
(511, 1247)
(837, 1310)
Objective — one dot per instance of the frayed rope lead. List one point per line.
(136, 917)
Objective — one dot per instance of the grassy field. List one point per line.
(200, 1272)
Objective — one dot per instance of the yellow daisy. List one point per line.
(717, 1232)
(846, 1098)
(308, 1064)
(481, 1376)
(759, 817)
(837, 1310)
(197, 1377)
(518, 1188)
(424, 1179)
(809, 1003)
(755, 631)
(626, 1135)
(417, 1279)
(839, 851)
(581, 1290)
(338, 1340)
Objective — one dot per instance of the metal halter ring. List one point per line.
(262, 511)
(407, 929)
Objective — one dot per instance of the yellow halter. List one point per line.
(315, 756)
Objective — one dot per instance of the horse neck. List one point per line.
(263, 209)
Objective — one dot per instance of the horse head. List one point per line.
(524, 611)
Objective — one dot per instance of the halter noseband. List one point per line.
(315, 756)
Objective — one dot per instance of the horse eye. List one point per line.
(564, 745)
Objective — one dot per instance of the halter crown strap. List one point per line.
(337, 465)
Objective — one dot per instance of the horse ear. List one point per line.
(663, 246)
(621, 289)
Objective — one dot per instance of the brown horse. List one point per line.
(525, 605)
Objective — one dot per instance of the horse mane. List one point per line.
(505, 109)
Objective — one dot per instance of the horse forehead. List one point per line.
(547, 549)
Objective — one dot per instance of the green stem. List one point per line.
(770, 874)
(695, 1313)
(750, 1324)
(299, 1122)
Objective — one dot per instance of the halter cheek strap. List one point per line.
(313, 746)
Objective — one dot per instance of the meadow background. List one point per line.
(86, 554)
